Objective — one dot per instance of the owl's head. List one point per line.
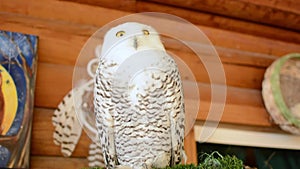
(131, 37)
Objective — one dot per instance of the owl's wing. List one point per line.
(59, 117)
(95, 157)
(177, 116)
(104, 116)
(67, 127)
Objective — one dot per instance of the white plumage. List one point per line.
(95, 157)
(67, 127)
(138, 100)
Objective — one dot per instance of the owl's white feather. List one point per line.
(138, 100)
(67, 127)
(95, 157)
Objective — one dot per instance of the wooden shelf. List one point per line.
(253, 137)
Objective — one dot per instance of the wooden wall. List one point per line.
(248, 36)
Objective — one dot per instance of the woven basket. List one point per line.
(281, 92)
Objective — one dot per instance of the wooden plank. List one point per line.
(47, 162)
(42, 146)
(53, 82)
(221, 22)
(69, 12)
(52, 85)
(242, 106)
(42, 141)
(42, 136)
(253, 137)
(234, 95)
(62, 34)
(183, 50)
(61, 42)
(190, 148)
(237, 114)
(266, 12)
(42, 131)
(248, 42)
(246, 77)
(125, 5)
(64, 11)
(67, 50)
(200, 18)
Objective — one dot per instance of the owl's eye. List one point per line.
(146, 32)
(120, 33)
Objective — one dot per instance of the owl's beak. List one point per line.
(135, 42)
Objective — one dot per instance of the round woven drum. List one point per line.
(281, 92)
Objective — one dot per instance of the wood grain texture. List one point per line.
(67, 39)
(42, 132)
(61, 44)
(238, 114)
(48, 162)
(42, 136)
(54, 10)
(201, 18)
(52, 85)
(278, 13)
(246, 49)
(65, 13)
(53, 82)
(191, 148)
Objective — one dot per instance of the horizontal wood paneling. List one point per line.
(54, 10)
(97, 16)
(42, 131)
(246, 49)
(279, 13)
(61, 37)
(42, 136)
(53, 82)
(52, 85)
(201, 18)
(47, 162)
(59, 42)
(60, 46)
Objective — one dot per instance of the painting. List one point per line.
(18, 65)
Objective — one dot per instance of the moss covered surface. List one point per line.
(211, 161)
(214, 161)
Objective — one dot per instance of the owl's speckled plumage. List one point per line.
(138, 100)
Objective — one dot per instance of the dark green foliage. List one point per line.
(212, 161)
(182, 166)
(216, 161)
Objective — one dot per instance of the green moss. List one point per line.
(181, 166)
(217, 161)
(212, 161)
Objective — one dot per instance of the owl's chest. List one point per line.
(141, 100)
(140, 106)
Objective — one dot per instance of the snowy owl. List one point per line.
(138, 100)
